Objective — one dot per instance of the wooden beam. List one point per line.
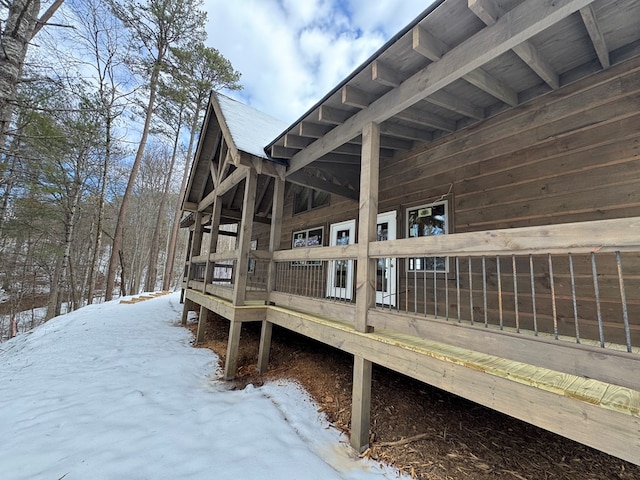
(402, 131)
(365, 283)
(382, 73)
(313, 130)
(434, 49)
(427, 119)
(202, 320)
(280, 151)
(332, 115)
(274, 244)
(456, 104)
(361, 403)
(296, 141)
(227, 184)
(311, 181)
(597, 38)
(523, 22)
(489, 12)
(580, 237)
(428, 45)
(366, 266)
(492, 86)
(355, 97)
(244, 239)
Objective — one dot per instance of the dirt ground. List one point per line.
(421, 430)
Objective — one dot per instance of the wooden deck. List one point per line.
(602, 415)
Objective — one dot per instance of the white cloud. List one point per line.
(292, 52)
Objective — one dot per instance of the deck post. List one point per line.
(188, 305)
(365, 282)
(202, 320)
(265, 346)
(231, 362)
(244, 237)
(274, 244)
(213, 241)
(195, 243)
(361, 403)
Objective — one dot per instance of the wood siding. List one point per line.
(571, 155)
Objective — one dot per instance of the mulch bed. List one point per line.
(419, 429)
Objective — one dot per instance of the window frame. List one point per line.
(306, 233)
(447, 230)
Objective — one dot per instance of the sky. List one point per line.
(117, 391)
(292, 52)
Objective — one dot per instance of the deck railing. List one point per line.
(574, 282)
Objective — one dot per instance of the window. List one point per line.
(312, 237)
(425, 221)
(307, 199)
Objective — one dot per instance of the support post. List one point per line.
(188, 305)
(361, 404)
(274, 244)
(231, 363)
(202, 320)
(244, 237)
(265, 346)
(365, 282)
(213, 241)
(195, 244)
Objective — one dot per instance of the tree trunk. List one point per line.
(21, 22)
(101, 203)
(152, 270)
(171, 249)
(116, 250)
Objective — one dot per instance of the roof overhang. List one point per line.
(457, 64)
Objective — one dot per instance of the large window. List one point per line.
(312, 237)
(307, 199)
(426, 221)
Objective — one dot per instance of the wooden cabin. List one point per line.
(464, 209)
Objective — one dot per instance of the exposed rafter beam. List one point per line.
(332, 115)
(313, 130)
(296, 141)
(409, 133)
(386, 142)
(456, 104)
(311, 181)
(427, 119)
(278, 151)
(356, 98)
(236, 215)
(339, 159)
(434, 49)
(385, 75)
(227, 184)
(519, 24)
(600, 46)
(489, 12)
(382, 73)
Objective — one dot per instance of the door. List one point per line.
(386, 267)
(340, 275)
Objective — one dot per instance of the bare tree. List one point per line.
(155, 26)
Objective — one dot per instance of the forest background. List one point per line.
(100, 106)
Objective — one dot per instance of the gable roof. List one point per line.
(250, 129)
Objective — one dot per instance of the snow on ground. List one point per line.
(115, 391)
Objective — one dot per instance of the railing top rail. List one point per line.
(584, 237)
(341, 252)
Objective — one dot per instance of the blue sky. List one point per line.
(292, 52)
